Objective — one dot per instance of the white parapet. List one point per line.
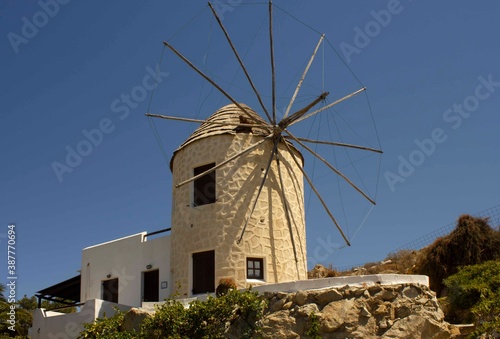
(57, 325)
(321, 283)
(359, 280)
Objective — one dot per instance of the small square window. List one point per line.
(204, 187)
(255, 268)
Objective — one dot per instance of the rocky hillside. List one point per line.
(394, 311)
(370, 311)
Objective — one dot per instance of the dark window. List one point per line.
(110, 290)
(203, 272)
(255, 268)
(151, 286)
(204, 187)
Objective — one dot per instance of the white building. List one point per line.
(129, 272)
(208, 235)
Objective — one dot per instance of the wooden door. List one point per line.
(203, 272)
(151, 286)
(110, 290)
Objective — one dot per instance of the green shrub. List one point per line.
(106, 328)
(313, 331)
(209, 319)
(171, 318)
(475, 290)
(472, 242)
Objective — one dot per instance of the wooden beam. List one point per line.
(303, 76)
(329, 105)
(271, 48)
(168, 117)
(338, 144)
(206, 77)
(260, 189)
(240, 61)
(319, 196)
(332, 168)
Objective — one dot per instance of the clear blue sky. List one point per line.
(431, 69)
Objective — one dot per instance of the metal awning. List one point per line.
(66, 292)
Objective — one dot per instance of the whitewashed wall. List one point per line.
(56, 325)
(125, 259)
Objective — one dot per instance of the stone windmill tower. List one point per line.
(211, 212)
(238, 195)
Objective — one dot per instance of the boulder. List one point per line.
(280, 325)
(417, 326)
(133, 319)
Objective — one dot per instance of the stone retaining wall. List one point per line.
(392, 311)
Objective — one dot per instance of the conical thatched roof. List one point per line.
(229, 114)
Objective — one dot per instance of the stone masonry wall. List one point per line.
(217, 226)
(389, 311)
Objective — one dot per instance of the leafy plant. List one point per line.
(313, 330)
(106, 328)
(209, 319)
(170, 318)
(476, 289)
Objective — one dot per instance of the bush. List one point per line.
(474, 292)
(106, 328)
(209, 319)
(473, 241)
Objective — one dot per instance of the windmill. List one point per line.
(265, 143)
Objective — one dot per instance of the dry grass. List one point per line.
(471, 242)
(320, 271)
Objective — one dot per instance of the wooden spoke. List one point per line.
(286, 208)
(331, 167)
(224, 162)
(271, 48)
(260, 189)
(168, 117)
(303, 76)
(206, 77)
(295, 116)
(318, 195)
(285, 122)
(329, 105)
(338, 144)
(240, 61)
